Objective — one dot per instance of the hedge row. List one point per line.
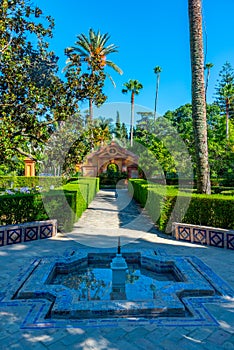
(214, 182)
(66, 205)
(84, 191)
(30, 181)
(162, 205)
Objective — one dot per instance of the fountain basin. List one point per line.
(179, 278)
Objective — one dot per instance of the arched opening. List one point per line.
(112, 168)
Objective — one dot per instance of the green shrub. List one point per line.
(30, 181)
(60, 205)
(19, 208)
(111, 178)
(207, 210)
(87, 186)
(65, 204)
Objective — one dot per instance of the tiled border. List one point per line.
(205, 235)
(29, 231)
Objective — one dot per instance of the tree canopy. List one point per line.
(32, 97)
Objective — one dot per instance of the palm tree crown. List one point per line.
(94, 50)
(132, 85)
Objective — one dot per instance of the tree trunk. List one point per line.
(91, 109)
(132, 118)
(198, 97)
(156, 97)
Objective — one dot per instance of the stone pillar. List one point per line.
(119, 268)
(29, 167)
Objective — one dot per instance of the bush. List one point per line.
(19, 208)
(111, 178)
(65, 205)
(31, 181)
(88, 186)
(207, 210)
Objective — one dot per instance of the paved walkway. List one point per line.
(107, 218)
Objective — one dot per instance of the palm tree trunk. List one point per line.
(198, 97)
(132, 118)
(91, 109)
(156, 96)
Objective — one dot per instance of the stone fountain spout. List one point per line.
(119, 268)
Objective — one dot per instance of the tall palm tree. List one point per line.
(198, 96)
(157, 71)
(134, 86)
(93, 50)
(208, 67)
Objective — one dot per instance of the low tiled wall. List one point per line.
(212, 236)
(29, 231)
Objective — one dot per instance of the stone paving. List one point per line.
(107, 218)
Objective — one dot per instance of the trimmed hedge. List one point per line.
(84, 191)
(65, 205)
(31, 181)
(20, 208)
(207, 210)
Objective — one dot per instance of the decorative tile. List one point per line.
(31, 234)
(14, 236)
(184, 233)
(46, 231)
(2, 238)
(37, 306)
(199, 236)
(230, 241)
(216, 239)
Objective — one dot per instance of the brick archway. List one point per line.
(97, 162)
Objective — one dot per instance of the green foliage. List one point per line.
(20, 208)
(65, 205)
(225, 89)
(111, 178)
(92, 51)
(208, 210)
(163, 148)
(30, 181)
(86, 189)
(34, 101)
(221, 155)
(32, 97)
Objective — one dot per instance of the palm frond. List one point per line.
(110, 49)
(111, 79)
(114, 66)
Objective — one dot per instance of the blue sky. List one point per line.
(148, 33)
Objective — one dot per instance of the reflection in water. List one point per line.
(96, 283)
